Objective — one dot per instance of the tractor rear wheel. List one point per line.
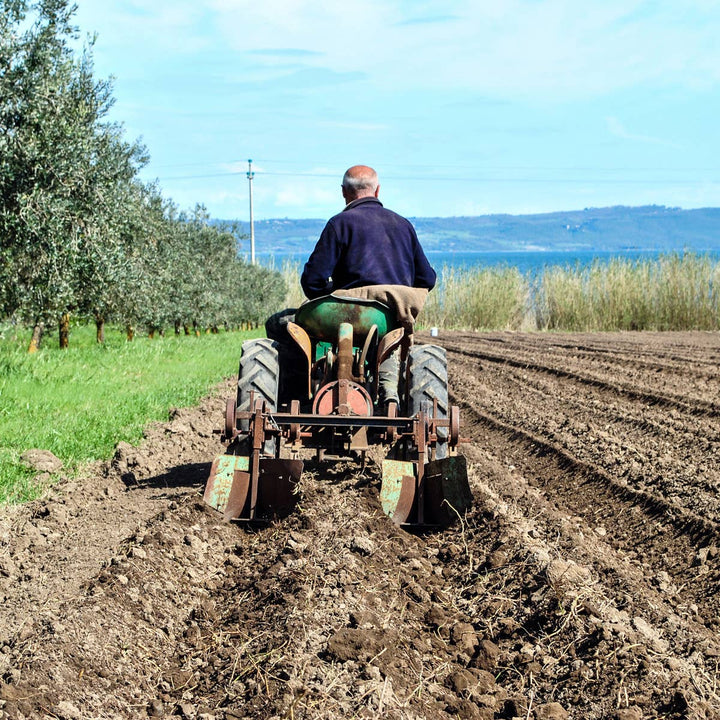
(427, 381)
(259, 374)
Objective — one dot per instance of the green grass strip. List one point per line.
(78, 403)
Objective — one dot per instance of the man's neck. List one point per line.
(361, 198)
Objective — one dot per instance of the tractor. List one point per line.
(333, 411)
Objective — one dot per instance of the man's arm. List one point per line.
(425, 276)
(317, 274)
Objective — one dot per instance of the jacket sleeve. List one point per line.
(316, 279)
(425, 276)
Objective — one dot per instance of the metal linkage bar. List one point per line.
(351, 421)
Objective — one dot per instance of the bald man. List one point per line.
(365, 251)
(365, 244)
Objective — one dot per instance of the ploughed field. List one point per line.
(584, 583)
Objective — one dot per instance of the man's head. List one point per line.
(360, 181)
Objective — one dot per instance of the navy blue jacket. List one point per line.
(366, 244)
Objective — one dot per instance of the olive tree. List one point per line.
(62, 165)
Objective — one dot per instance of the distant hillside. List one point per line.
(652, 227)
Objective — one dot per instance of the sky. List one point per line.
(464, 107)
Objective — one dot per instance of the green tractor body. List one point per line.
(333, 408)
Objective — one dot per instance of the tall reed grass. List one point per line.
(677, 291)
(291, 270)
(673, 292)
(472, 299)
(494, 298)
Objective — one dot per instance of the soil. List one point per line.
(583, 583)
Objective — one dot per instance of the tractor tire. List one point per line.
(427, 380)
(259, 373)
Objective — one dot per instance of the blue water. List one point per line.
(534, 261)
(528, 262)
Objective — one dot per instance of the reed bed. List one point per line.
(472, 299)
(494, 298)
(673, 292)
(291, 270)
(677, 291)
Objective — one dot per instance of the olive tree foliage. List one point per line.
(112, 231)
(62, 167)
(78, 230)
(208, 285)
(182, 271)
(128, 281)
(258, 292)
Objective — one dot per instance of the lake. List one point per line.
(528, 262)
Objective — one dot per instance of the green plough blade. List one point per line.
(222, 473)
(232, 491)
(444, 494)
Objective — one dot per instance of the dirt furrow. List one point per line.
(652, 449)
(605, 378)
(664, 537)
(651, 352)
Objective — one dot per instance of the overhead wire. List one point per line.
(466, 179)
(500, 174)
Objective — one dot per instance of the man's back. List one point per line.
(366, 244)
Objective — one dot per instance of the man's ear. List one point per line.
(377, 191)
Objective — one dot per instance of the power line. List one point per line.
(475, 166)
(468, 179)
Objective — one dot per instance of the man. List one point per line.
(365, 244)
(370, 252)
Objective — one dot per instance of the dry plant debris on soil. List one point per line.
(583, 583)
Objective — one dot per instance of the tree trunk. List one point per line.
(186, 329)
(99, 329)
(151, 333)
(36, 338)
(129, 332)
(64, 331)
(177, 327)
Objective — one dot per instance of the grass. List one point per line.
(677, 291)
(674, 292)
(477, 299)
(80, 402)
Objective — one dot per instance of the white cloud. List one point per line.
(616, 128)
(518, 46)
(526, 47)
(312, 191)
(478, 83)
(305, 196)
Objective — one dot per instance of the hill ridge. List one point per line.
(618, 227)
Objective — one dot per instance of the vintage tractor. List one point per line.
(333, 409)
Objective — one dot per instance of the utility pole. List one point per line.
(250, 176)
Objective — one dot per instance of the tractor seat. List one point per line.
(321, 317)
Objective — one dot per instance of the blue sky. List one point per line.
(464, 107)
